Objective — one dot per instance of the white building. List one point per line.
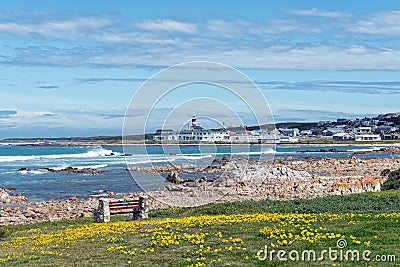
(367, 137)
(343, 136)
(259, 137)
(332, 131)
(290, 132)
(288, 139)
(363, 130)
(204, 135)
(197, 134)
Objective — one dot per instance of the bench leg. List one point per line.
(102, 212)
(98, 216)
(144, 212)
(106, 211)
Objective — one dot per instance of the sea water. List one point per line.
(39, 184)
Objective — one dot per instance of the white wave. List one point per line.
(60, 168)
(266, 151)
(32, 172)
(365, 149)
(183, 156)
(98, 166)
(97, 152)
(253, 153)
(149, 161)
(21, 143)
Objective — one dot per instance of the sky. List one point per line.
(71, 68)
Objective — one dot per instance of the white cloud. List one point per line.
(167, 25)
(228, 27)
(276, 57)
(64, 29)
(132, 38)
(318, 13)
(288, 25)
(271, 43)
(269, 26)
(270, 57)
(386, 23)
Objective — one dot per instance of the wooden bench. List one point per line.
(107, 207)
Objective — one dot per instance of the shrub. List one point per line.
(3, 232)
(385, 172)
(393, 181)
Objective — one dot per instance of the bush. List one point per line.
(3, 232)
(385, 172)
(393, 181)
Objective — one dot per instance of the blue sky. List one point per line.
(70, 68)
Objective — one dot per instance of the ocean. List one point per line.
(37, 183)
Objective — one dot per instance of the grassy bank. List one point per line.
(324, 141)
(227, 234)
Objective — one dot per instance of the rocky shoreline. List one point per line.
(236, 180)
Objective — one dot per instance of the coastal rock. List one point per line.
(278, 179)
(29, 214)
(89, 171)
(174, 178)
(4, 196)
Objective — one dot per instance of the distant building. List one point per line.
(288, 139)
(341, 120)
(363, 130)
(196, 133)
(306, 133)
(164, 132)
(367, 137)
(344, 136)
(204, 135)
(165, 135)
(331, 131)
(390, 136)
(290, 132)
(259, 137)
(194, 125)
(385, 128)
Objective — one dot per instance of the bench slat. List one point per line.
(122, 202)
(125, 208)
(127, 205)
(122, 212)
(106, 208)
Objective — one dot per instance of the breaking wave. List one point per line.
(93, 153)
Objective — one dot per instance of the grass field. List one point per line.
(228, 234)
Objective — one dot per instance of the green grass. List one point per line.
(385, 201)
(382, 232)
(321, 141)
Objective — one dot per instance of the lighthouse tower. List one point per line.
(194, 122)
(193, 125)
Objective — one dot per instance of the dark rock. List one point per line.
(174, 178)
(29, 214)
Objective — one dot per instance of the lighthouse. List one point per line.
(194, 122)
(193, 125)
